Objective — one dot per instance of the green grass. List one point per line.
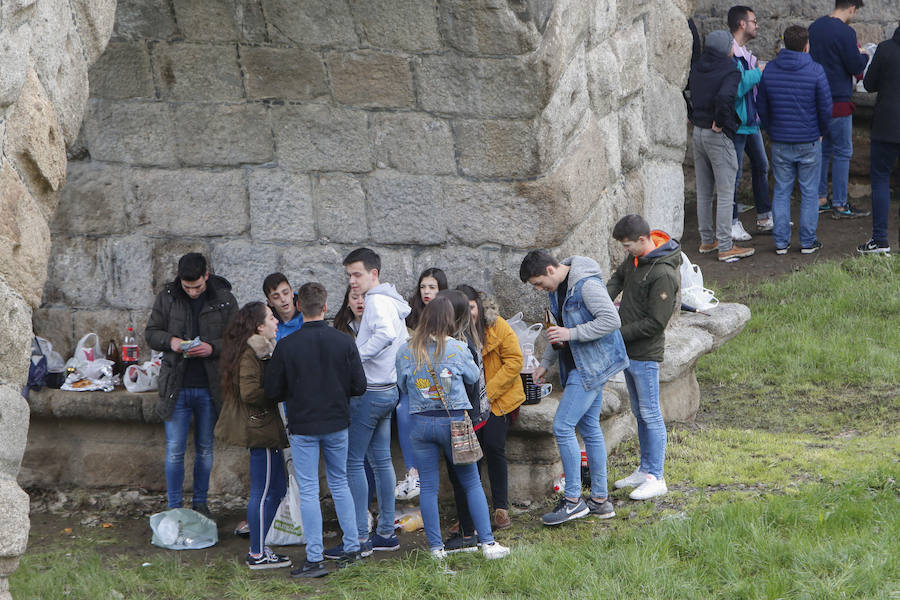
(832, 324)
(786, 487)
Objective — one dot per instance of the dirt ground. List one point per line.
(839, 240)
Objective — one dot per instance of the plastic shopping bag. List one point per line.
(287, 528)
(183, 529)
(692, 291)
(143, 378)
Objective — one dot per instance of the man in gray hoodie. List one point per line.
(381, 333)
(590, 350)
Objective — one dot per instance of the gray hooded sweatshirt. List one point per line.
(596, 299)
(381, 333)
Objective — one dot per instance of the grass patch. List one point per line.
(832, 324)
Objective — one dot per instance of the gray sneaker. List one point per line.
(565, 510)
(604, 509)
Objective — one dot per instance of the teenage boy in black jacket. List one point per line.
(713, 85)
(648, 279)
(316, 370)
(883, 77)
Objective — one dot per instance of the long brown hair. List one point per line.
(345, 315)
(244, 324)
(464, 328)
(435, 323)
(475, 296)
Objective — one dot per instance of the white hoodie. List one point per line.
(381, 333)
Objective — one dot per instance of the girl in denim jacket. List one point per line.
(432, 350)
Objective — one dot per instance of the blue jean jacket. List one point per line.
(596, 360)
(454, 369)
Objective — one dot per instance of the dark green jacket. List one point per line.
(172, 317)
(649, 287)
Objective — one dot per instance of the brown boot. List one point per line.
(501, 519)
(736, 252)
(707, 248)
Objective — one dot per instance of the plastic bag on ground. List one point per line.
(183, 529)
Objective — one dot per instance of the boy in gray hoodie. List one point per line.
(590, 351)
(381, 333)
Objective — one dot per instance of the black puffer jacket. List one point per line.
(883, 77)
(172, 317)
(713, 85)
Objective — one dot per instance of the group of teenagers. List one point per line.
(802, 99)
(276, 374)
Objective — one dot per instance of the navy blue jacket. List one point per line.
(794, 101)
(883, 77)
(713, 84)
(832, 44)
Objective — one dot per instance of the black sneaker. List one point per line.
(349, 559)
(457, 543)
(817, 245)
(565, 510)
(848, 211)
(783, 251)
(604, 509)
(268, 560)
(203, 509)
(334, 553)
(824, 208)
(873, 247)
(310, 570)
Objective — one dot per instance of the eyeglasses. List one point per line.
(749, 21)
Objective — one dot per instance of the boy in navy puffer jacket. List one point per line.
(794, 103)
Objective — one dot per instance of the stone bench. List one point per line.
(99, 439)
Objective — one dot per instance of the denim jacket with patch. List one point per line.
(454, 369)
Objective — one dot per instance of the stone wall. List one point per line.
(46, 47)
(274, 135)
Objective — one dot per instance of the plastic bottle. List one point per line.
(130, 351)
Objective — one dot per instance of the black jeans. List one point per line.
(493, 442)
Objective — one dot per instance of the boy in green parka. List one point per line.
(648, 280)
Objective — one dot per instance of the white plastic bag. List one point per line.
(870, 50)
(287, 527)
(55, 362)
(183, 529)
(143, 378)
(91, 371)
(693, 293)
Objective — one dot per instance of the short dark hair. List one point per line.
(630, 227)
(795, 38)
(535, 264)
(736, 14)
(840, 4)
(369, 258)
(311, 297)
(272, 281)
(192, 266)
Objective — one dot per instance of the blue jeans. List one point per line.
(370, 437)
(800, 162)
(267, 487)
(642, 379)
(430, 437)
(759, 163)
(196, 403)
(837, 144)
(403, 426)
(581, 408)
(305, 453)
(884, 157)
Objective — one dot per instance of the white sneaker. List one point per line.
(438, 553)
(739, 234)
(402, 489)
(412, 487)
(633, 480)
(651, 488)
(494, 551)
